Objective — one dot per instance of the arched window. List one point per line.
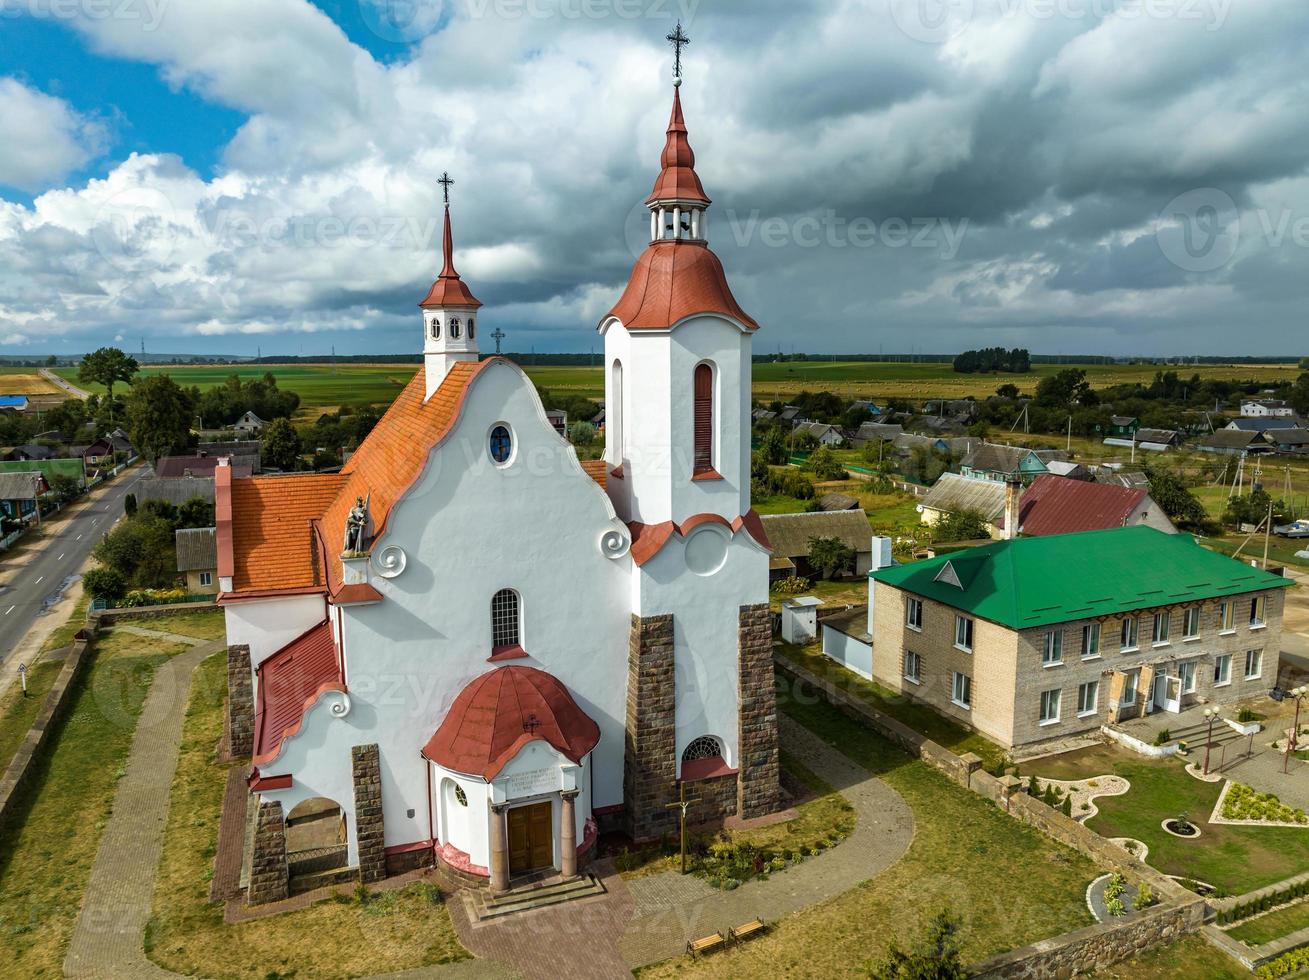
(472, 329)
(505, 619)
(614, 414)
(436, 328)
(454, 328)
(704, 419)
(704, 747)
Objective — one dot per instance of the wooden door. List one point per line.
(531, 838)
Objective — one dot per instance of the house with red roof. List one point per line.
(468, 648)
(1058, 505)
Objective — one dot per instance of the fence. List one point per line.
(100, 605)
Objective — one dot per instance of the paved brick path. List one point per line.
(107, 939)
(603, 937)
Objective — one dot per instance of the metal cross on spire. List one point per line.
(677, 39)
(445, 180)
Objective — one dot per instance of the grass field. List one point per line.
(323, 386)
(1272, 925)
(24, 381)
(1190, 957)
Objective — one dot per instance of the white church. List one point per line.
(467, 648)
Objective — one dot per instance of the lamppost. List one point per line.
(1299, 695)
(1210, 714)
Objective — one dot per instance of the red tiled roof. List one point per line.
(273, 543)
(449, 289)
(289, 682)
(649, 539)
(500, 712)
(175, 467)
(1058, 505)
(597, 470)
(674, 279)
(677, 180)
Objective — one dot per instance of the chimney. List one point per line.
(1013, 498)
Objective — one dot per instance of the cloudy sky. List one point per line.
(1098, 176)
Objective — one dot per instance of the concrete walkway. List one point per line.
(632, 925)
(135, 630)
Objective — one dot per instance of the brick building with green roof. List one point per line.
(1036, 639)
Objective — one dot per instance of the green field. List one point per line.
(328, 386)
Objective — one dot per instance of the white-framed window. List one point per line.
(1050, 701)
(436, 328)
(1254, 664)
(913, 667)
(1052, 654)
(1186, 672)
(454, 327)
(963, 633)
(703, 747)
(1162, 624)
(913, 613)
(1222, 669)
(1130, 682)
(963, 690)
(1258, 605)
(472, 329)
(1227, 616)
(500, 443)
(1131, 632)
(1088, 698)
(1090, 641)
(1191, 623)
(206, 578)
(506, 619)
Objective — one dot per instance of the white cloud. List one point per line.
(44, 137)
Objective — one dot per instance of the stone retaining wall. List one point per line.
(56, 703)
(1094, 947)
(148, 612)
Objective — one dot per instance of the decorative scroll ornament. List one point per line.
(614, 544)
(390, 561)
(338, 704)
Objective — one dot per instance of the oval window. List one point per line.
(454, 328)
(502, 444)
(436, 328)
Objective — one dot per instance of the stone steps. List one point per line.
(539, 895)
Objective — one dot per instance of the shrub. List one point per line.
(1245, 715)
(1292, 962)
(105, 583)
(790, 586)
(1067, 806)
(936, 956)
(1115, 906)
(1144, 897)
(1033, 786)
(1163, 738)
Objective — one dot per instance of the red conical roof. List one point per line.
(673, 280)
(677, 179)
(449, 289)
(500, 712)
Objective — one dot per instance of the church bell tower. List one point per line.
(449, 312)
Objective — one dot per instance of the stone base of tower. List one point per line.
(650, 754)
(758, 784)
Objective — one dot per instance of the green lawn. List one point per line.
(206, 625)
(919, 717)
(17, 712)
(48, 848)
(1010, 884)
(1272, 925)
(1233, 859)
(1190, 958)
(337, 937)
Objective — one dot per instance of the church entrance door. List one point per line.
(531, 838)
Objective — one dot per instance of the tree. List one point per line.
(64, 488)
(825, 464)
(936, 957)
(1175, 499)
(1064, 390)
(105, 583)
(141, 550)
(963, 525)
(196, 512)
(1298, 395)
(107, 366)
(830, 557)
(281, 449)
(773, 447)
(581, 433)
(1007, 390)
(159, 416)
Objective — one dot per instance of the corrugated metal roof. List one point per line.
(790, 534)
(953, 494)
(288, 681)
(21, 486)
(1056, 505)
(1031, 582)
(196, 551)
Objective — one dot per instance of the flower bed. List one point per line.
(1240, 803)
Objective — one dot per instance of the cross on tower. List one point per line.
(531, 725)
(445, 180)
(677, 39)
(499, 335)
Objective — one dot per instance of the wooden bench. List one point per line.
(706, 945)
(747, 930)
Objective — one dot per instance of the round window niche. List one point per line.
(706, 550)
(501, 444)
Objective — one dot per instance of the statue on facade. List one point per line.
(356, 527)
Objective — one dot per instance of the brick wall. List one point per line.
(269, 875)
(717, 796)
(650, 752)
(759, 775)
(369, 830)
(240, 703)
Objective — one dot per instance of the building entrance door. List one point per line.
(1168, 693)
(531, 838)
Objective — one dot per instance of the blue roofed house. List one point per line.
(13, 403)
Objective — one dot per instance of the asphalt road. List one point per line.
(40, 580)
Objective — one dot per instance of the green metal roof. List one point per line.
(1031, 582)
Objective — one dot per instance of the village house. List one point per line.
(1259, 408)
(13, 403)
(954, 493)
(20, 494)
(823, 434)
(792, 535)
(197, 559)
(466, 646)
(1290, 442)
(249, 424)
(994, 462)
(1035, 639)
(1234, 442)
(1056, 505)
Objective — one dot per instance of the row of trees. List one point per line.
(993, 360)
(140, 552)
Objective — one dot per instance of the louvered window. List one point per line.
(704, 418)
